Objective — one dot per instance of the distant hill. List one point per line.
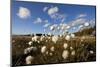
(87, 31)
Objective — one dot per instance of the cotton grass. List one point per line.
(65, 54)
(65, 46)
(29, 59)
(43, 49)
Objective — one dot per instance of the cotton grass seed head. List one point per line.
(52, 48)
(73, 35)
(55, 39)
(67, 37)
(65, 54)
(91, 52)
(30, 43)
(86, 24)
(43, 49)
(73, 53)
(65, 45)
(71, 48)
(29, 59)
(51, 54)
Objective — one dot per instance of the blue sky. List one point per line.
(30, 17)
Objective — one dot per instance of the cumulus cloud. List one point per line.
(38, 20)
(78, 21)
(24, 12)
(54, 14)
(53, 10)
(45, 9)
(46, 21)
(46, 25)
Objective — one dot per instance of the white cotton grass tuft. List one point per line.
(35, 38)
(67, 37)
(55, 39)
(51, 28)
(86, 24)
(50, 54)
(71, 48)
(43, 49)
(65, 45)
(91, 52)
(42, 38)
(13, 41)
(29, 59)
(80, 26)
(47, 52)
(68, 27)
(72, 35)
(52, 48)
(38, 41)
(29, 49)
(65, 54)
(30, 43)
(73, 53)
(33, 48)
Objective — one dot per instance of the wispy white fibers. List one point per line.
(47, 52)
(46, 25)
(72, 35)
(33, 48)
(86, 24)
(68, 37)
(43, 49)
(45, 9)
(81, 26)
(81, 15)
(71, 48)
(68, 27)
(73, 53)
(52, 48)
(63, 26)
(49, 34)
(51, 54)
(65, 45)
(55, 38)
(29, 59)
(65, 54)
(35, 38)
(42, 38)
(53, 27)
(91, 52)
(29, 49)
(30, 43)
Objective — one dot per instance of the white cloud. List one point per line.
(38, 20)
(53, 10)
(78, 21)
(46, 25)
(45, 9)
(81, 15)
(24, 12)
(46, 21)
